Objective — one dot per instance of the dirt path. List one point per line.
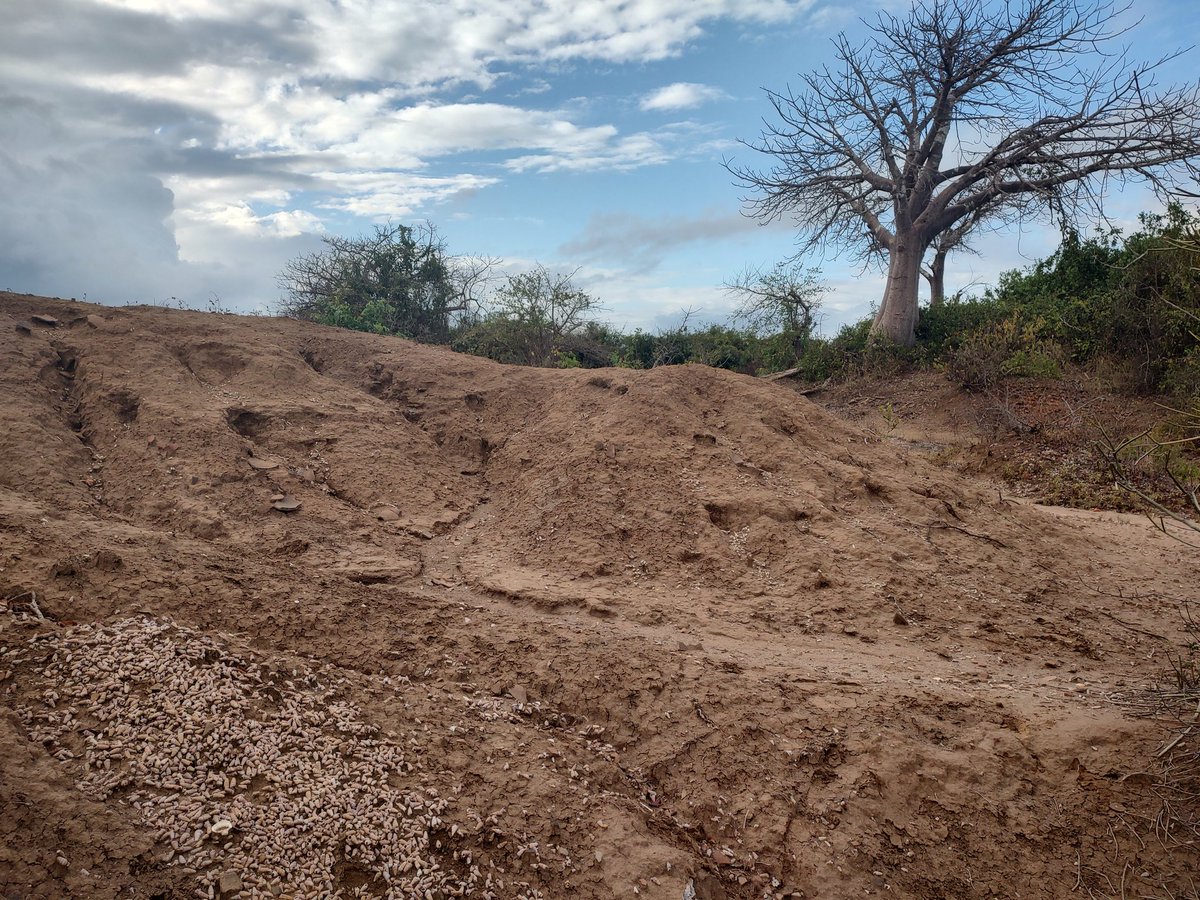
(539, 633)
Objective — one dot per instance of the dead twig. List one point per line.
(1120, 595)
(980, 537)
(31, 600)
(1158, 513)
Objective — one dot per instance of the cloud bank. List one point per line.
(157, 140)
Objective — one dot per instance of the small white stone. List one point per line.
(222, 827)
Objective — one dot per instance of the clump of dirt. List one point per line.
(672, 633)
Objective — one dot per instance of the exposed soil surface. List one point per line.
(1040, 438)
(531, 633)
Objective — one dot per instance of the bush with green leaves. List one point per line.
(398, 280)
(1134, 299)
(943, 328)
(536, 318)
(1009, 347)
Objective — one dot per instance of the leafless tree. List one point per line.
(961, 109)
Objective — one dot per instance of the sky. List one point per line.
(180, 152)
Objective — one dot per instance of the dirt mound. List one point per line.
(677, 631)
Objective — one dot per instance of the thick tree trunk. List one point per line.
(897, 316)
(936, 276)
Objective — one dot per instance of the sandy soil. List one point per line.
(531, 633)
(1037, 438)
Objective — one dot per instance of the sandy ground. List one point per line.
(538, 633)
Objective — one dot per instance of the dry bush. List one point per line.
(1175, 699)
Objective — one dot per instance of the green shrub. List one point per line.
(1033, 362)
(397, 281)
(943, 328)
(1126, 304)
(853, 351)
(1181, 376)
(495, 338)
(1007, 347)
(537, 318)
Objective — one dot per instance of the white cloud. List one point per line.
(408, 45)
(387, 195)
(174, 8)
(681, 95)
(322, 75)
(634, 151)
(427, 130)
(241, 218)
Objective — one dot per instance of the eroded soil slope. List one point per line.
(1039, 438)
(538, 633)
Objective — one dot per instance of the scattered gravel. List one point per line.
(260, 781)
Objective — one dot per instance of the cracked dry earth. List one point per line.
(531, 633)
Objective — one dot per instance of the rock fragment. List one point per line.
(230, 883)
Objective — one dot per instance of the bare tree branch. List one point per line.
(1116, 455)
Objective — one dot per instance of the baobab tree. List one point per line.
(986, 109)
(957, 239)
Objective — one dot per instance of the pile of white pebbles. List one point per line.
(261, 782)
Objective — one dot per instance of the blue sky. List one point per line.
(158, 149)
